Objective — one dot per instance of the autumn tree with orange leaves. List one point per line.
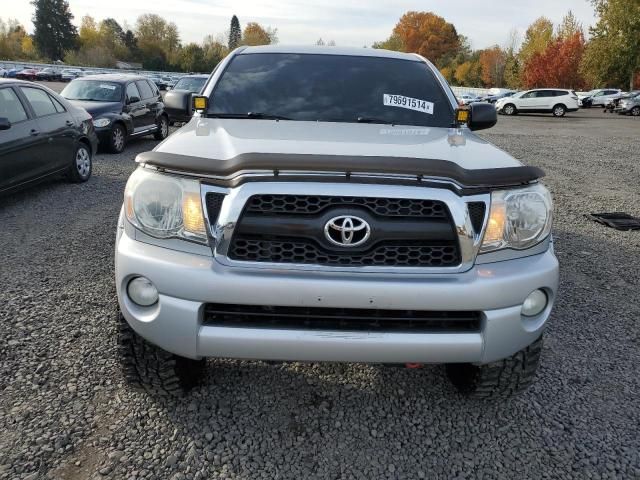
(557, 65)
(427, 34)
(492, 63)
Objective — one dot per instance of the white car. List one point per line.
(541, 100)
(3, 72)
(467, 98)
(600, 97)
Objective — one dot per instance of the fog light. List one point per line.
(535, 303)
(142, 292)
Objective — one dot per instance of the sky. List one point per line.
(347, 22)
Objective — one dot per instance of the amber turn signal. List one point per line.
(200, 103)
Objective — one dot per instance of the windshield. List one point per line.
(332, 88)
(193, 84)
(93, 90)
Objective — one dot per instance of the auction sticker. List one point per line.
(108, 87)
(409, 103)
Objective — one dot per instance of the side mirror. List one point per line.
(132, 100)
(178, 102)
(5, 124)
(482, 115)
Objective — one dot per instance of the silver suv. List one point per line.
(329, 204)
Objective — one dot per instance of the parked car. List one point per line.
(173, 99)
(42, 134)
(297, 221)
(629, 105)
(599, 98)
(69, 74)
(543, 100)
(12, 72)
(27, 74)
(160, 83)
(3, 72)
(612, 103)
(495, 97)
(49, 74)
(122, 107)
(467, 98)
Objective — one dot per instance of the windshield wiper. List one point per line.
(258, 115)
(373, 120)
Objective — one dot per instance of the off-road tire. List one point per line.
(509, 109)
(151, 369)
(497, 380)
(163, 128)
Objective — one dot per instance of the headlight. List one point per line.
(101, 122)
(518, 219)
(165, 206)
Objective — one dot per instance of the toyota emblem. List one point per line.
(347, 231)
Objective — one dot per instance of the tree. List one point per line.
(569, 26)
(214, 51)
(89, 36)
(511, 62)
(536, 39)
(235, 34)
(320, 42)
(394, 42)
(255, 34)
(191, 58)
(427, 34)
(492, 63)
(158, 41)
(613, 54)
(469, 74)
(558, 65)
(53, 31)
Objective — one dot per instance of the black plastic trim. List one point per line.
(422, 167)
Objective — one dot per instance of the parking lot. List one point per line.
(66, 414)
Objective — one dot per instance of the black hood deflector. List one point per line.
(280, 163)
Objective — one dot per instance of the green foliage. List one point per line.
(53, 31)
(191, 58)
(14, 41)
(235, 33)
(394, 42)
(537, 38)
(612, 56)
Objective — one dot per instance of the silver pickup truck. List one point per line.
(331, 204)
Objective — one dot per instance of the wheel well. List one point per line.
(560, 105)
(87, 144)
(123, 125)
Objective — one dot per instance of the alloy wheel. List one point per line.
(118, 139)
(83, 162)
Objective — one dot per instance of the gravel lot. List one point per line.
(65, 413)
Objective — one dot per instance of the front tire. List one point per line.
(80, 169)
(509, 109)
(163, 128)
(151, 369)
(559, 110)
(497, 380)
(635, 111)
(117, 139)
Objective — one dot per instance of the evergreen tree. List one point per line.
(235, 34)
(53, 33)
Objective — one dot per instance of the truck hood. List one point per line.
(225, 139)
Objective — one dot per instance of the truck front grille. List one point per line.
(292, 229)
(313, 204)
(340, 319)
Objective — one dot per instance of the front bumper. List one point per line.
(187, 281)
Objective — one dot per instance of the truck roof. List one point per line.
(324, 50)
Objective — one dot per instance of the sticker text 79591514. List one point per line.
(409, 103)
